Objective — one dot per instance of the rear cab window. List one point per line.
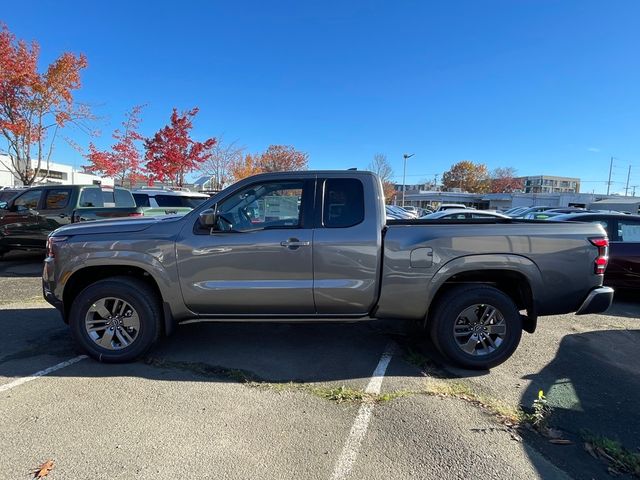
(343, 203)
(97, 197)
(178, 201)
(91, 198)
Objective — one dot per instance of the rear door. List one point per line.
(258, 260)
(347, 247)
(55, 211)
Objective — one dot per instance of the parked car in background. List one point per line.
(461, 214)
(541, 215)
(623, 231)
(523, 213)
(396, 213)
(33, 213)
(161, 201)
(450, 206)
(416, 211)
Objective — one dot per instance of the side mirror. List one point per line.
(209, 218)
(4, 205)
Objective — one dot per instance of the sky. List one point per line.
(545, 86)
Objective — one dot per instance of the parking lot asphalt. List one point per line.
(259, 400)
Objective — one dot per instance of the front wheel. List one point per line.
(116, 319)
(476, 327)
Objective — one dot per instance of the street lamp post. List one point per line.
(404, 174)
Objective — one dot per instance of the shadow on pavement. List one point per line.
(271, 352)
(21, 264)
(592, 385)
(625, 304)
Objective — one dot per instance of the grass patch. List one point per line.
(612, 451)
(205, 370)
(414, 357)
(341, 394)
(507, 414)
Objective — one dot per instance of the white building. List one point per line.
(58, 173)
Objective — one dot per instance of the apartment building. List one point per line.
(550, 184)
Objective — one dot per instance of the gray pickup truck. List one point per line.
(303, 246)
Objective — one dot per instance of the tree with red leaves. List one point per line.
(123, 161)
(172, 153)
(503, 180)
(35, 106)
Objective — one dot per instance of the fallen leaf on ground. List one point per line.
(43, 470)
(560, 441)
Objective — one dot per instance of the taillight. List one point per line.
(603, 254)
(135, 214)
(51, 243)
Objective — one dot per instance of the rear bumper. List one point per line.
(598, 300)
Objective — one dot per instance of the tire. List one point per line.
(132, 319)
(464, 330)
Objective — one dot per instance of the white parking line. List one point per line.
(361, 423)
(41, 373)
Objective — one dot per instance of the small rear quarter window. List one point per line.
(343, 204)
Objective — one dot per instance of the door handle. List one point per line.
(294, 243)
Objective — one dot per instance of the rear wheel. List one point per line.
(476, 327)
(116, 319)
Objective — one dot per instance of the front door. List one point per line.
(19, 224)
(258, 259)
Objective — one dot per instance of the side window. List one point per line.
(262, 206)
(343, 204)
(91, 198)
(628, 231)
(123, 198)
(142, 199)
(28, 200)
(56, 199)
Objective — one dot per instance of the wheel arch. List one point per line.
(85, 276)
(516, 276)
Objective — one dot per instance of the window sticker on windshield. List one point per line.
(630, 233)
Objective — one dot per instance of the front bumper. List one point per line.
(48, 286)
(598, 300)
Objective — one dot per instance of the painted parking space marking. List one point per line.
(34, 376)
(361, 423)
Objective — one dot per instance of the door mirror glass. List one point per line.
(4, 205)
(208, 218)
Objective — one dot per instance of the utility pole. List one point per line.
(609, 181)
(626, 189)
(435, 182)
(404, 174)
(633, 193)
